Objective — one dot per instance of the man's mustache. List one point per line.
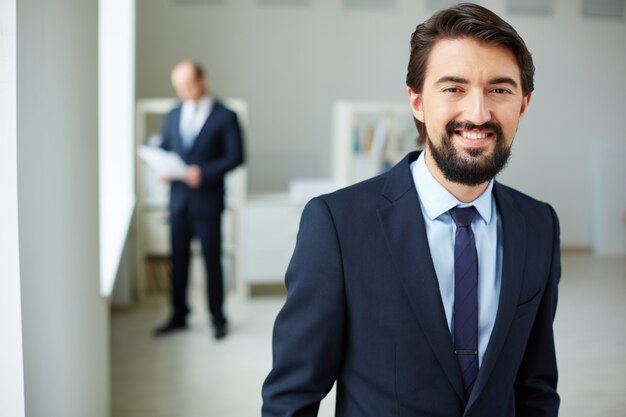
(459, 125)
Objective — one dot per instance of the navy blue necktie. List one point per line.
(465, 296)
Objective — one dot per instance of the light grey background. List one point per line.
(291, 63)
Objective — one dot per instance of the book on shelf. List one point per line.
(376, 138)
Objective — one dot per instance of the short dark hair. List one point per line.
(465, 20)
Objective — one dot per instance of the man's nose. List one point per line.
(478, 109)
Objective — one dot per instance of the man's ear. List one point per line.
(417, 106)
(524, 106)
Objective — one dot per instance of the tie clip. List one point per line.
(465, 352)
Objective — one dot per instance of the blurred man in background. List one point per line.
(207, 137)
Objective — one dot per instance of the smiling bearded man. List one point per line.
(431, 289)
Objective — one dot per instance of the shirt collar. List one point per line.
(436, 200)
(203, 103)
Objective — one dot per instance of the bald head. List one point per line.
(189, 81)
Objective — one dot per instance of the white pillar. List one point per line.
(64, 317)
(11, 361)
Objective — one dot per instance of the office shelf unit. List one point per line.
(369, 137)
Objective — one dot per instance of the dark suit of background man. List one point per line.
(207, 137)
(371, 301)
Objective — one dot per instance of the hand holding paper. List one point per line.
(193, 176)
(165, 163)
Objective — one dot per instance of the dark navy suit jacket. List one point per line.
(217, 149)
(364, 309)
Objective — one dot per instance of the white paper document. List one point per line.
(162, 161)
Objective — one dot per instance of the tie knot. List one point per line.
(463, 216)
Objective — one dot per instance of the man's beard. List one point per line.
(473, 168)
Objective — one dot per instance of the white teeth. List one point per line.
(474, 135)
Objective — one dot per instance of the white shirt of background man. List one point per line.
(193, 115)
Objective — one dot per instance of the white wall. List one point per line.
(291, 63)
(11, 359)
(577, 109)
(64, 318)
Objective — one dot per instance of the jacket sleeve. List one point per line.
(232, 144)
(308, 339)
(535, 386)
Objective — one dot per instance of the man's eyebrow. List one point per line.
(452, 79)
(461, 80)
(503, 80)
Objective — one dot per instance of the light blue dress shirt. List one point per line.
(435, 201)
(193, 115)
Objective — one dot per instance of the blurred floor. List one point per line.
(192, 375)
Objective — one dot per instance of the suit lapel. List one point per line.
(404, 229)
(178, 142)
(514, 248)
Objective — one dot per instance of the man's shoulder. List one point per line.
(350, 206)
(514, 195)
(220, 107)
(173, 115)
(355, 201)
(222, 114)
(531, 207)
(381, 189)
(175, 109)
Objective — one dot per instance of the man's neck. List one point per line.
(197, 100)
(462, 192)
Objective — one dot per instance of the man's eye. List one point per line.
(500, 91)
(452, 90)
